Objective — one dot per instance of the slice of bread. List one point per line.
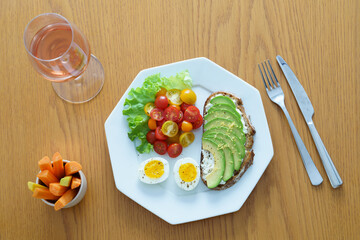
(249, 153)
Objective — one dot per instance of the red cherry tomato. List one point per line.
(198, 122)
(160, 147)
(181, 117)
(191, 114)
(159, 135)
(157, 114)
(184, 106)
(150, 137)
(161, 102)
(174, 150)
(172, 114)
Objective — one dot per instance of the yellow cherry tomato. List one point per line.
(170, 128)
(186, 138)
(152, 124)
(161, 92)
(174, 97)
(188, 96)
(148, 107)
(186, 126)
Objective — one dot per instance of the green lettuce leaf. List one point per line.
(138, 97)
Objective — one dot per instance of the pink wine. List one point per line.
(59, 57)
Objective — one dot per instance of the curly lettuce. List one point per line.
(138, 97)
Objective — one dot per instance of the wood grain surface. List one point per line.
(319, 40)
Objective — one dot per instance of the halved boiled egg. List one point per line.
(153, 170)
(187, 173)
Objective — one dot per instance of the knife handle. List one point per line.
(329, 166)
(310, 167)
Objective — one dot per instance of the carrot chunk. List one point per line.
(75, 182)
(58, 165)
(72, 167)
(45, 164)
(47, 177)
(65, 199)
(44, 193)
(56, 189)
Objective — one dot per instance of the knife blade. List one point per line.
(307, 111)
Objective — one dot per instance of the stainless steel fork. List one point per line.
(276, 95)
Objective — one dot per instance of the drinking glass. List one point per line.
(60, 52)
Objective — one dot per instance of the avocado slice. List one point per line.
(237, 144)
(223, 113)
(231, 126)
(215, 176)
(222, 99)
(222, 106)
(224, 142)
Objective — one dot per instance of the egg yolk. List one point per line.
(187, 172)
(154, 169)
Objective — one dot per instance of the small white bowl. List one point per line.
(79, 196)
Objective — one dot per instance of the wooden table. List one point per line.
(319, 40)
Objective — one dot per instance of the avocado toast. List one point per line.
(226, 142)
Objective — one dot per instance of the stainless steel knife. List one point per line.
(307, 110)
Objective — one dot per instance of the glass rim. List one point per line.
(53, 59)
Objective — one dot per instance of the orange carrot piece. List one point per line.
(65, 199)
(47, 177)
(75, 182)
(58, 165)
(72, 167)
(44, 193)
(56, 189)
(45, 164)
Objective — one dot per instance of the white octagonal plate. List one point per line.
(166, 200)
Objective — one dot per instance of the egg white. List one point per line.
(187, 186)
(142, 176)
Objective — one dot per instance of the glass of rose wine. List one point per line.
(60, 52)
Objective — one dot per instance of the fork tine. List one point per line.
(262, 76)
(267, 68)
(267, 78)
(273, 73)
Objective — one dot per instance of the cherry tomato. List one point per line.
(179, 124)
(181, 117)
(198, 122)
(186, 138)
(150, 137)
(186, 126)
(174, 96)
(169, 128)
(159, 135)
(161, 102)
(174, 150)
(161, 92)
(184, 106)
(160, 123)
(148, 108)
(157, 114)
(172, 114)
(152, 124)
(188, 96)
(160, 147)
(191, 114)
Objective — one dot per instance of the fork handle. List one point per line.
(329, 166)
(309, 165)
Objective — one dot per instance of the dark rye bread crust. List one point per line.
(249, 153)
